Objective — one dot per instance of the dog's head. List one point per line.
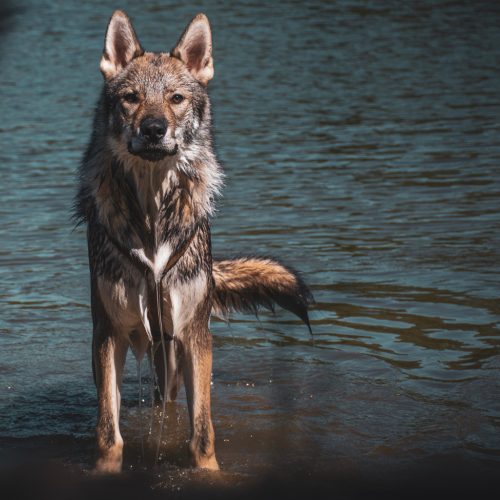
(155, 104)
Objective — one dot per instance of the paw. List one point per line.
(205, 462)
(109, 461)
(103, 466)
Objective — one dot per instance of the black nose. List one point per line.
(153, 129)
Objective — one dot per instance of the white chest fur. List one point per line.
(127, 306)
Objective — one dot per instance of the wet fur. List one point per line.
(245, 283)
(146, 206)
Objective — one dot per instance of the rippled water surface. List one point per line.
(361, 145)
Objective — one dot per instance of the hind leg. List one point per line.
(173, 372)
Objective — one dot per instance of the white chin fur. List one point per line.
(208, 179)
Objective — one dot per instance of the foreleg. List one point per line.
(109, 359)
(197, 369)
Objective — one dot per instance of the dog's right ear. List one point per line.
(121, 45)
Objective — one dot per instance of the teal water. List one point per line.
(361, 145)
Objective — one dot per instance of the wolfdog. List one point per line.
(146, 189)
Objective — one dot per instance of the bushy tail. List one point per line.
(243, 284)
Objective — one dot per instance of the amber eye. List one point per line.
(177, 98)
(130, 97)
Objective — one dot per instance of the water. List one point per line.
(360, 143)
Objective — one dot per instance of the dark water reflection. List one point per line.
(360, 142)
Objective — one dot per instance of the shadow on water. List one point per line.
(7, 11)
(445, 477)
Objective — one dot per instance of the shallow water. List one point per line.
(361, 146)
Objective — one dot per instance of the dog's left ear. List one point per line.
(195, 49)
(121, 45)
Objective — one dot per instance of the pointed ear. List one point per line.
(195, 49)
(121, 45)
